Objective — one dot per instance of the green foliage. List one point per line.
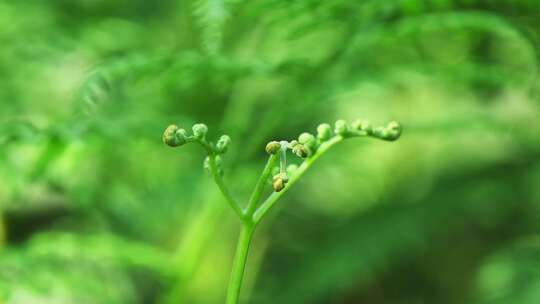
(211, 16)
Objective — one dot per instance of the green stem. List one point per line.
(219, 181)
(239, 264)
(274, 197)
(259, 188)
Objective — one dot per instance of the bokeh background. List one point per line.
(95, 209)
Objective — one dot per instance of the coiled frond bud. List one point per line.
(174, 136)
(309, 141)
(362, 125)
(299, 149)
(292, 144)
(273, 147)
(341, 127)
(324, 132)
(168, 137)
(223, 143)
(306, 138)
(199, 131)
(390, 133)
(394, 130)
(279, 181)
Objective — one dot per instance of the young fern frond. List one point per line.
(311, 148)
(308, 146)
(176, 137)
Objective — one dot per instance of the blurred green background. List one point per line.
(95, 209)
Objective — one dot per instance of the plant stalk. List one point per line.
(224, 190)
(259, 188)
(239, 264)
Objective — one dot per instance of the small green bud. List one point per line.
(341, 127)
(361, 125)
(394, 130)
(293, 143)
(173, 136)
(278, 184)
(366, 126)
(309, 142)
(279, 181)
(300, 150)
(390, 133)
(273, 147)
(393, 125)
(199, 130)
(181, 133)
(324, 132)
(168, 136)
(223, 144)
(306, 138)
(381, 132)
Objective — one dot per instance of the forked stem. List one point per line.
(307, 147)
(274, 197)
(221, 185)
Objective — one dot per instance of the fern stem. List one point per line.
(239, 263)
(257, 192)
(219, 181)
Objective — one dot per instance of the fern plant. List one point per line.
(308, 147)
